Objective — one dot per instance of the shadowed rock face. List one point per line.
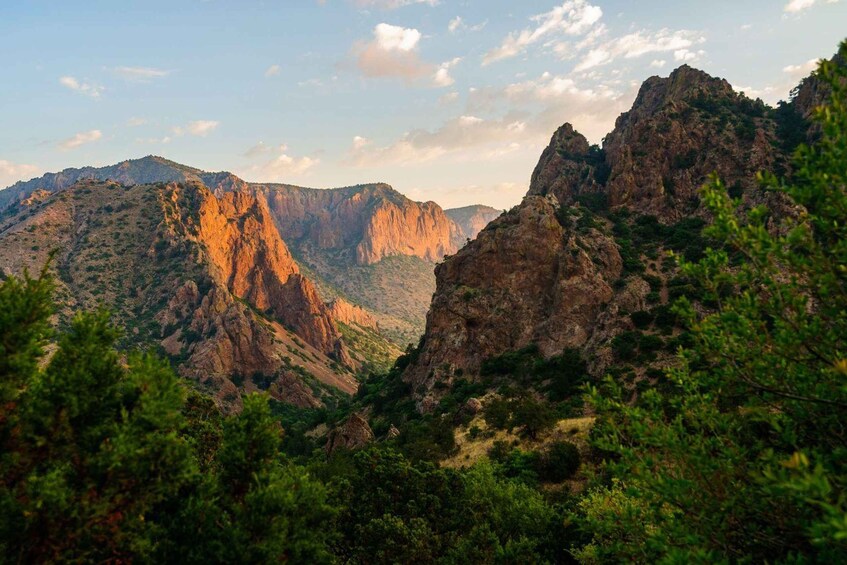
(534, 276)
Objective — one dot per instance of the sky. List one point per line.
(446, 100)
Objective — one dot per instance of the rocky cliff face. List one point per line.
(346, 313)
(208, 279)
(568, 267)
(526, 279)
(242, 242)
(369, 222)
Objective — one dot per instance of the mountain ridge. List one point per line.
(355, 241)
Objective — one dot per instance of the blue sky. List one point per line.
(447, 100)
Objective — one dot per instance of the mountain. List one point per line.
(472, 219)
(368, 244)
(207, 279)
(580, 267)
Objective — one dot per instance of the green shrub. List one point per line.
(641, 319)
(497, 413)
(625, 345)
(559, 462)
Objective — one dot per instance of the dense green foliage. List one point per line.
(102, 458)
(395, 511)
(108, 457)
(745, 457)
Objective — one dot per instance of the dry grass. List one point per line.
(574, 430)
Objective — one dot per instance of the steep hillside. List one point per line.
(368, 243)
(208, 279)
(581, 266)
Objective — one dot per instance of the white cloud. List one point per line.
(395, 38)
(442, 76)
(360, 142)
(458, 137)
(573, 17)
(392, 53)
(281, 167)
(285, 165)
(658, 63)
(458, 24)
(11, 173)
(272, 71)
(801, 70)
(687, 56)
(80, 139)
(140, 74)
(795, 6)
(641, 43)
(91, 90)
(393, 4)
(135, 122)
(199, 128)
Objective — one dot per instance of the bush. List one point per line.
(497, 413)
(559, 462)
(641, 319)
(625, 345)
(532, 416)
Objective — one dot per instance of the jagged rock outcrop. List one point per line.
(346, 313)
(552, 274)
(680, 130)
(353, 434)
(525, 279)
(251, 260)
(568, 167)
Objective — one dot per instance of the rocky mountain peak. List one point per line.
(684, 85)
(679, 130)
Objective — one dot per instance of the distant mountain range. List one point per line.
(339, 236)
(244, 285)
